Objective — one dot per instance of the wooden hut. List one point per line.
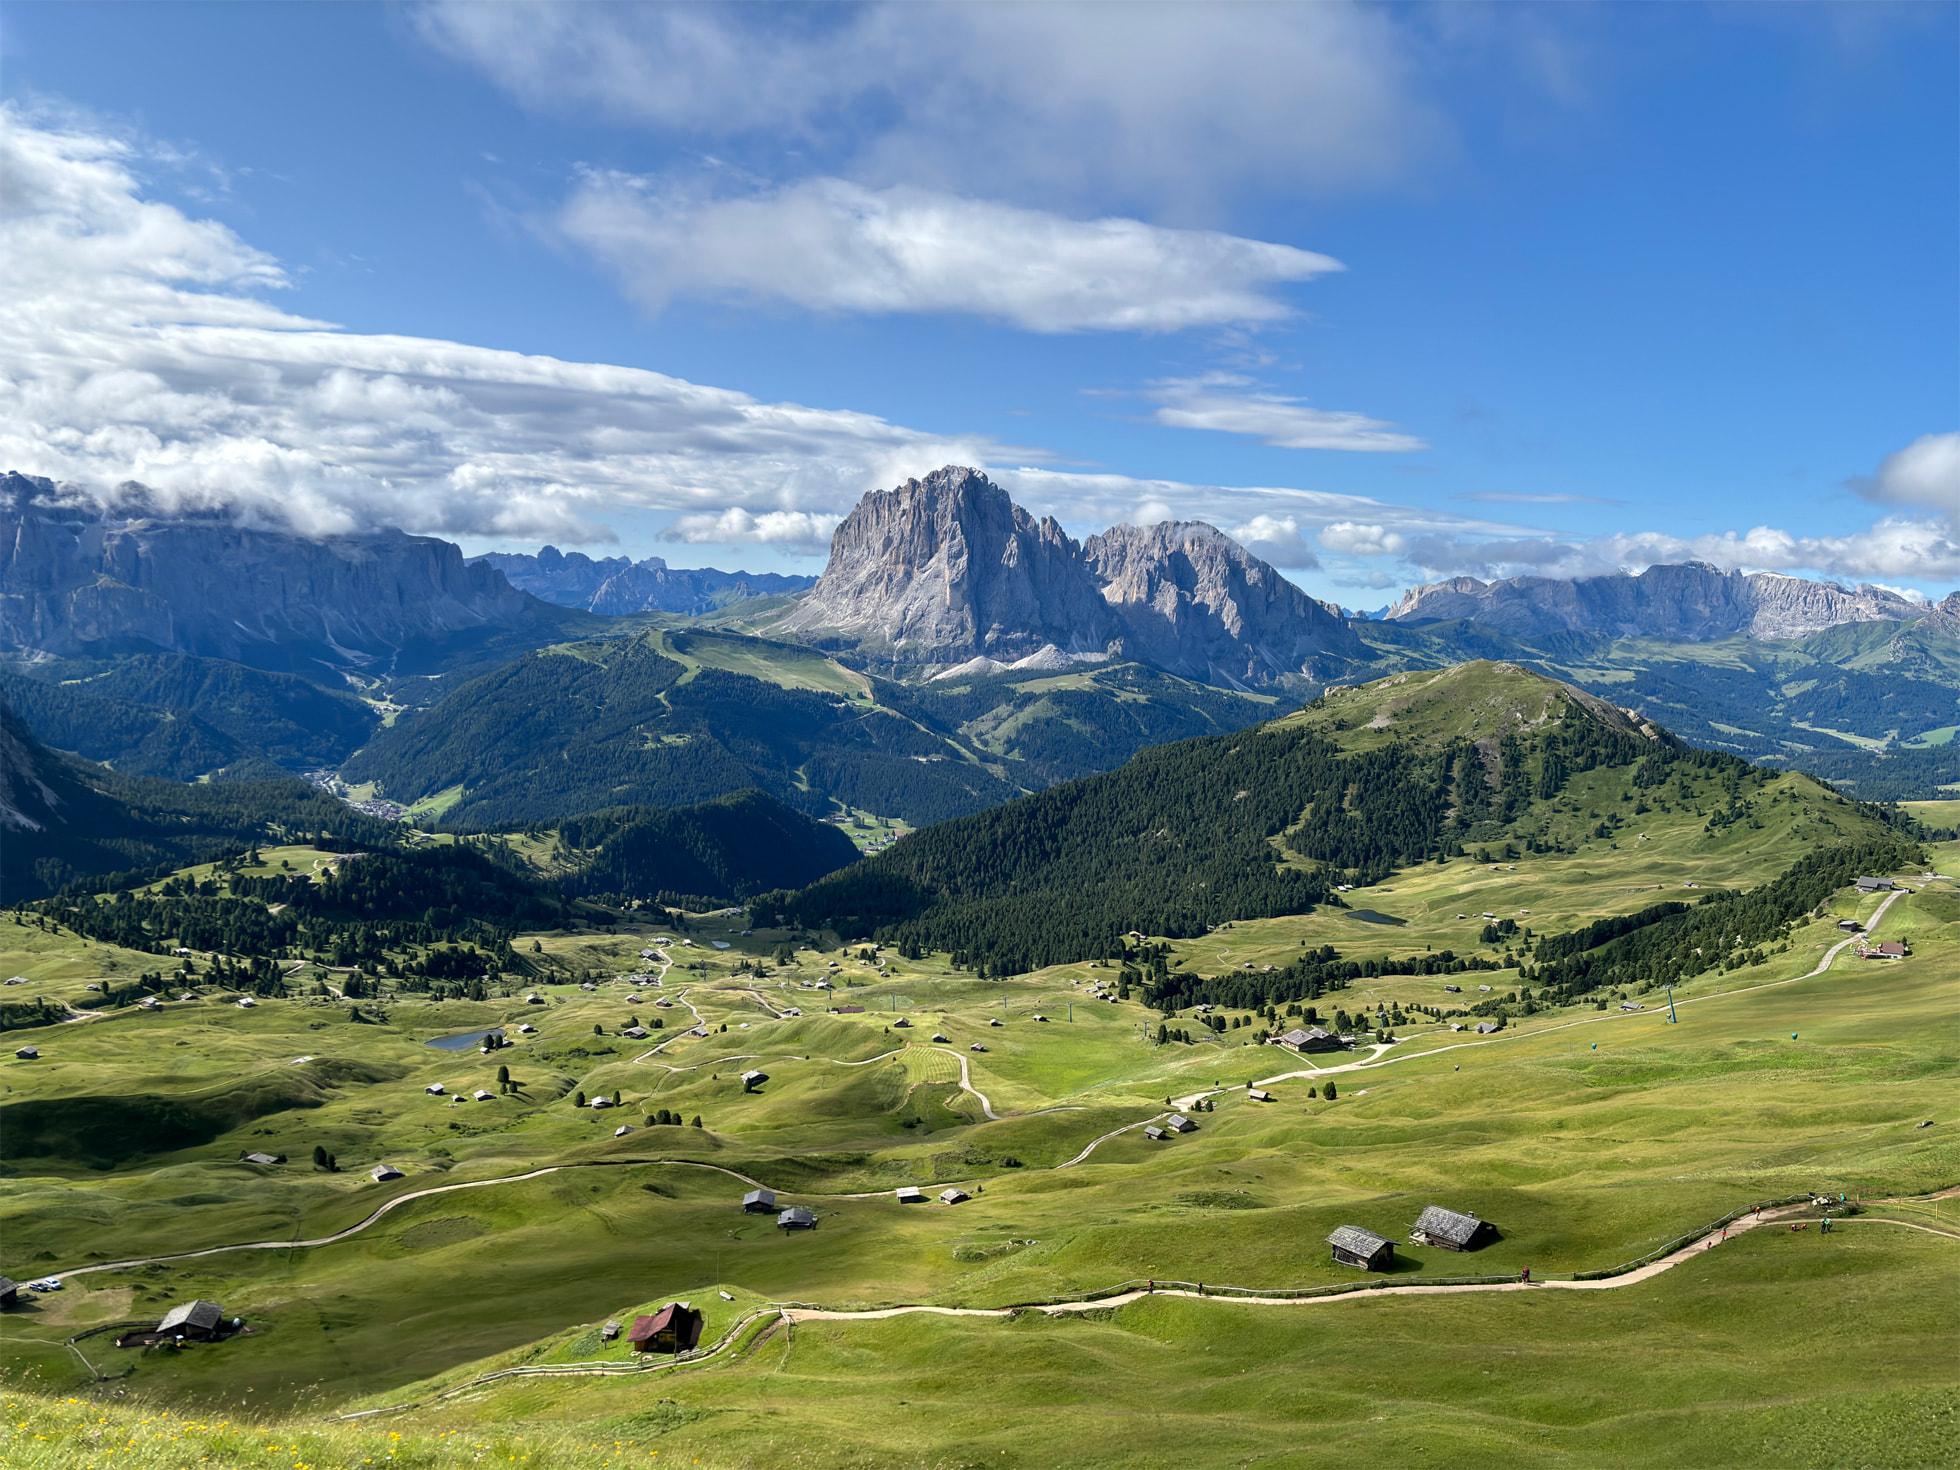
(199, 1320)
(752, 1079)
(1354, 1246)
(1178, 1123)
(673, 1329)
(9, 1292)
(909, 1194)
(760, 1202)
(953, 1196)
(382, 1173)
(797, 1218)
(1447, 1229)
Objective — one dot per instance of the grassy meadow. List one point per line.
(1588, 1138)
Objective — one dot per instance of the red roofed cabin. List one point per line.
(675, 1328)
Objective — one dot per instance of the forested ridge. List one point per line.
(701, 856)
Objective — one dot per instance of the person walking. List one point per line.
(1524, 1276)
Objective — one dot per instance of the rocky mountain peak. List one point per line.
(948, 569)
(1689, 601)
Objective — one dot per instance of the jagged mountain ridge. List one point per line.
(617, 585)
(79, 578)
(1688, 602)
(949, 569)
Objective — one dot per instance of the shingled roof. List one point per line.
(1353, 1238)
(204, 1316)
(1441, 1224)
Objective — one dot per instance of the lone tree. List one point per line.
(319, 1156)
(579, 1102)
(1331, 1093)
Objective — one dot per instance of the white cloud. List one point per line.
(1286, 423)
(137, 345)
(1896, 547)
(831, 246)
(1276, 539)
(798, 532)
(1926, 472)
(1352, 538)
(1133, 105)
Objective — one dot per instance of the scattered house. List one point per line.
(752, 1079)
(1874, 885)
(953, 1196)
(1310, 1038)
(1484, 988)
(1354, 1246)
(609, 1333)
(1456, 1025)
(534, 999)
(1485, 1028)
(760, 1202)
(382, 1173)
(850, 1010)
(1447, 1229)
(673, 1329)
(1490, 916)
(976, 1046)
(622, 1130)
(940, 1036)
(909, 1194)
(149, 1003)
(1258, 1094)
(9, 1292)
(649, 954)
(246, 1003)
(663, 1005)
(601, 1101)
(27, 1053)
(483, 1094)
(1178, 1123)
(791, 1011)
(264, 1158)
(1154, 1133)
(588, 985)
(996, 1021)
(1627, 1005)
(901, 1024)
(434, 1089)
(199, 1320)
(1850, 926)
(638, 1033)
(796, 1218)
(1454, 989)
(1892, 949)
(527, 1029)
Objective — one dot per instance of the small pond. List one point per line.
(466, 1041)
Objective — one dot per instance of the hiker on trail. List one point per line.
(1152, 1288)
(1524, 1276)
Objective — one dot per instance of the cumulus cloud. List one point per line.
(798, 532)
(1222, 403)
(138, 344)
(1276, 539)
(1134, 105)
(831, 246)
(1926, 472)
(1352, 538)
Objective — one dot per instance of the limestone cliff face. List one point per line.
(1193, 601)
(948, 568)
(76, 579)
(1691, 602)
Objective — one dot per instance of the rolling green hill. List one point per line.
(1407, 770)
(670, 718)
(1871, 707)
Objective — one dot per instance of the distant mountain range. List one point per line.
(188, 646)
(947, 570)
(616, 585)
(1691, 601)
(79, 578)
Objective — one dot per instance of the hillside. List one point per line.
(671, 718)
(63, 820)
(717, 852)
(1403, 771)
(1871, 706)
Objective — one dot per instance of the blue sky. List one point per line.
(1392, 293)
